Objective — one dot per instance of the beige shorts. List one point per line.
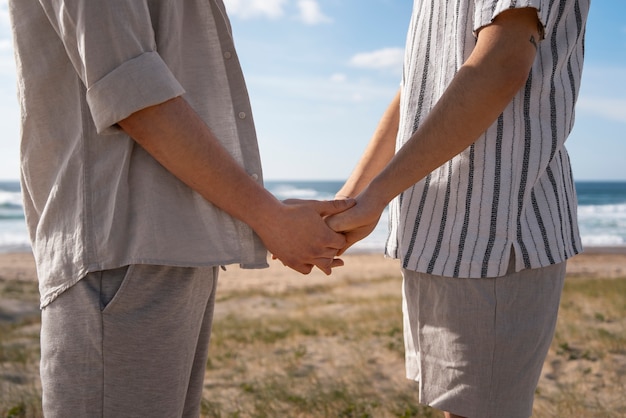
(477, 346)
(128, 342)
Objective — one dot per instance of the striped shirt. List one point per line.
(511, 189)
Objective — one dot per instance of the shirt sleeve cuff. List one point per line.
(141, 82)
(486, 11)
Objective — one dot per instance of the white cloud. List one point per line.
(607, 108)
(247, 9)
(382, 59)
(310, 12)
(338, 78)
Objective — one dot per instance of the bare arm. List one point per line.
(496, 70)
(180, 140)
(378, 153)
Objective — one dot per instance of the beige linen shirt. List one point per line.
(93, 198)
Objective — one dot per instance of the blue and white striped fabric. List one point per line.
(513, 188)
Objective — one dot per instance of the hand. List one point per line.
(301, 239)
(357, 222)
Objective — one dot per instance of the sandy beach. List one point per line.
(329, 348)
(609, 262)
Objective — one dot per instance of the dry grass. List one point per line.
(585, 372)
(19, 349)
(333, 348)
(321, 351)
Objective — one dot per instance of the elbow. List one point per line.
(517, 69)
(511, 75)
(515, 81)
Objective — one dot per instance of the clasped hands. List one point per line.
(315, 233)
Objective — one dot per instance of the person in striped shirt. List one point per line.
(471, 155)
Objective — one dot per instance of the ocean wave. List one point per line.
(603, 240)
(9, 199)
(18, 246)
(11, 214)
(595, 210)
(602, 225)
(602, 221)
(285, 191)
(14, 236)
(11, 206)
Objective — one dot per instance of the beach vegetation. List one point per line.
(336, 350)
(585, 373)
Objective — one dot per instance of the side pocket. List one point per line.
(112, 283)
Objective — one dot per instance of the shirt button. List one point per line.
(227, 55)
(255, 176)
(242, 115)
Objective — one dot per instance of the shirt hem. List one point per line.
(50, 296)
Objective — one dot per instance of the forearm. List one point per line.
(178, 139)
(480, 91)
(462, 114)
(378, 152)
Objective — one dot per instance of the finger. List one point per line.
(327, 264)
(303, 268)
(326, 269)
(343, 250)
(335, 223)
(332, 207)
(327, 246)
(293, 201)
(299, 267)
(337, 262)
(343, 222)
(324, 264)
(329, 252)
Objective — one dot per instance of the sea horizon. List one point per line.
(601, 213)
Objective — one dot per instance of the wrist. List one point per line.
(376, 194)
(267, 209)
(342, 196)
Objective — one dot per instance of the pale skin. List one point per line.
(486, 83)
(179, 139)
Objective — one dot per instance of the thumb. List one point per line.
(331, 207)
(336, 222)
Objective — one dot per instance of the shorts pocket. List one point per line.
(112, 285)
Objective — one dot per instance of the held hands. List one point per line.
(303, 240)
(358, 221)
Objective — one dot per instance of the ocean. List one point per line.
(601, 213)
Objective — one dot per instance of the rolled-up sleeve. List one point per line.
(112, 47)
(487, 10)
(136, 84)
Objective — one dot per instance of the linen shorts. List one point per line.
(477, 346)
(128, 342)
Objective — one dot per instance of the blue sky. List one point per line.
(321, 72)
